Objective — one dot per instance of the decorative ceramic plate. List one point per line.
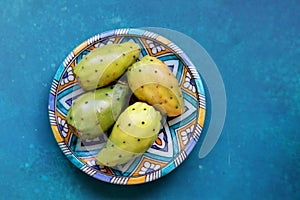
(178, 135)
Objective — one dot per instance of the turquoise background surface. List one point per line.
(256, 46)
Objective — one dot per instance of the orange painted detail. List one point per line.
(60, 86)
(158, 141)
(182, 83)
(145, 159)
(66, 139)
(107, 170)
(179, 132)
(117, 39)
(91, 48)
(73, 65)
(157, 53)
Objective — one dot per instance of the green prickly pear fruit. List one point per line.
(152, 81)
(94, 112)
(134, 132)
(105, 64)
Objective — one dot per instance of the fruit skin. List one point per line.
(105, 64)
(134, 132)
(152, 81)
(93, 113)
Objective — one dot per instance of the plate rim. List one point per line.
(122, 180)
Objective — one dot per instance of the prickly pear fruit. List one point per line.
(152, 81)
(105, 64)
(94, 112)
(134, 132)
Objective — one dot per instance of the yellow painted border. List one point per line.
(80, 48)
(163, 40)
(201, 118)
(136, 180)
(56, 134)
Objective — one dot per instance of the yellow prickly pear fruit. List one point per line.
(152, 81)
(105, 64)
(134, 132)
(94, 112)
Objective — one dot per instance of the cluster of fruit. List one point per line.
(134, 127)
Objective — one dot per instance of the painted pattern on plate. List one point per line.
(178, 135)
